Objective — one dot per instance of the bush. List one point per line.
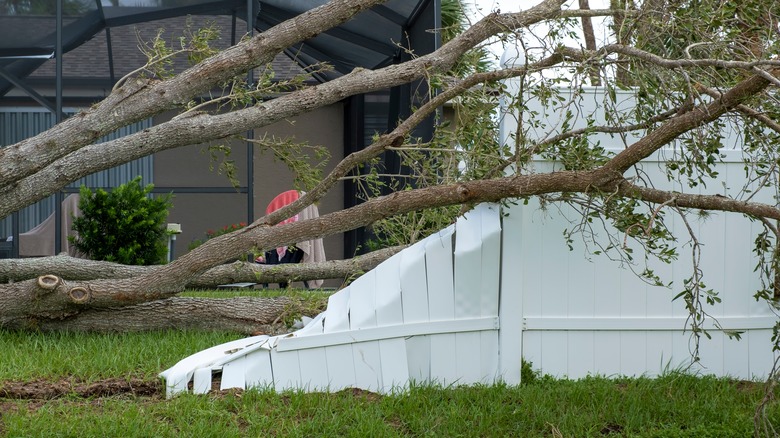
(527, 373)
(124, 226)
(210, 234)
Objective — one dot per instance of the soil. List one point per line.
(43, 389)
(49, 389)
(37, 393)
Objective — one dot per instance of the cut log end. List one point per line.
(49, 282)
(79, 295)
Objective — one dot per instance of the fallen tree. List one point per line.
(26, 175)
(72, 268)
(675, 89)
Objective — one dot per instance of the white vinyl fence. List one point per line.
(585, 314)
(466, 304)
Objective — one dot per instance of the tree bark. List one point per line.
(242, 314)
(39, 166)
(72, 268)
(590, 41)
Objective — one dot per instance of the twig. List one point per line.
(655, 213)
(124, 78)
(766, 75)
(769, 225)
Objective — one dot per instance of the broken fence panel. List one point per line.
(394, 325)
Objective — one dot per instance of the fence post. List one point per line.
(510, 298)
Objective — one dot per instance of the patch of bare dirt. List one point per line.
(7, 408)
(747, 385)
(611, 428)
(48, 389)
(361, 393)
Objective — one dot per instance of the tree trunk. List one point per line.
(71, 268)
(242, 314)
(48, 303)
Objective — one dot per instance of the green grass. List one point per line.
(674, 405)
(29, 356)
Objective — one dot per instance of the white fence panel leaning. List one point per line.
(429, 313)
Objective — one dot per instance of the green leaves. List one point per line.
(306, 162)
(125, 225)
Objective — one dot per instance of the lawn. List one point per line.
(85, 385)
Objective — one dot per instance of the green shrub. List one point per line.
(527, 373)
(124, 226)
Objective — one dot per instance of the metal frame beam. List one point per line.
(273, 16)
(18, 83)
(250, 135)
(57, 119)
(211, 8)
(389, 14)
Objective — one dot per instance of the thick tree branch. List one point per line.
(59, 296)
(241, 314)
(170, 279)
(65, 266)
(590, 40)
(589, 13)
(701, 202)
(684, 122)
(29, 187)
(71, 268)
(394, 138)
(140, 99)
(744, 109)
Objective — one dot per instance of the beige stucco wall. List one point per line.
(189, 167)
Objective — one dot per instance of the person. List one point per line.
(310, 251)
(289, 254)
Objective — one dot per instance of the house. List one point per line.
(100, 44)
